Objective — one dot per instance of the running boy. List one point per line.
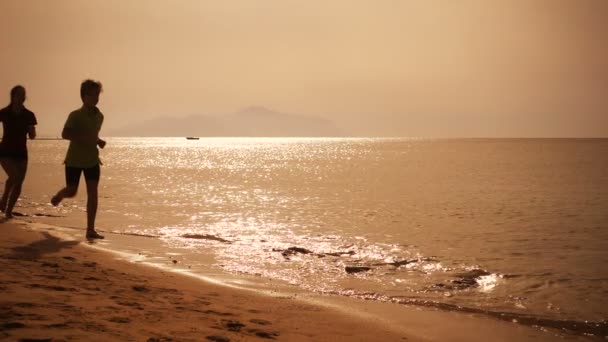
(82, 130)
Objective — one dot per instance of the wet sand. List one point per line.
(57, 290)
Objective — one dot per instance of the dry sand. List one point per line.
(59, 290)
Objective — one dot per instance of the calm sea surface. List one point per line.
(514, 228)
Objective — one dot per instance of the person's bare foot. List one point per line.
(91, 235)
(55, 200)
(8, 215)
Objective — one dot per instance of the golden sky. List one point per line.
(450, 68)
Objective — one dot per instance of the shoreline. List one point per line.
(72, 271)
(55, 289)
(140, 249)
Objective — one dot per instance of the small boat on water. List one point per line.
(192, 138)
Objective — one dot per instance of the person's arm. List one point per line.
(31, 129)
(31, 132)
(71, 134)
(100, 142)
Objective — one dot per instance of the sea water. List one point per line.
(512, 228)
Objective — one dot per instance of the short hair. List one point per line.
(89, 86)
(16, 89)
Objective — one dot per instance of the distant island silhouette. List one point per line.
(255, 121)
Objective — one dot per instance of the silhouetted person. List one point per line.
(82, 130)
(18, 122)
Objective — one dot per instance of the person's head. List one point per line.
(89, 92)
(17, 95)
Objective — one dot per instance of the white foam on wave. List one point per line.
(487, 283)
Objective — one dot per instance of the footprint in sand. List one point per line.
(50, 264)
(203, 301)
(213, 312)
(236, 326)
(260, 321)
(264, 334)
(51, 287)
(139, 288)
(159, 339)
(215, 338)
(134, 305)
(50, 276)
(12, 325)
(232, 325)
(120, 320)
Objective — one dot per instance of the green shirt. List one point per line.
(83, 121)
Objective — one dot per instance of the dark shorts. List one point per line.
(14, 155)
(72, 174)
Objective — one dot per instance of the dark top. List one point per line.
(14, 137)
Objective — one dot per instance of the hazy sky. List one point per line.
(375, 67)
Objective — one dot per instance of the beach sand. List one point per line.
(58, 290)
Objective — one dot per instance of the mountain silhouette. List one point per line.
(252, 121)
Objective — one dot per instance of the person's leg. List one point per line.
(10, 170)
(21, 170)
(7, 190)
(91, 204)
(72, 178)
(91, 176)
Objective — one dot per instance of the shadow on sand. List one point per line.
(35, 250)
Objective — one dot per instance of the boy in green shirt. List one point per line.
(82, 130)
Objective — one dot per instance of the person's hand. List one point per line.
(101, 143)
